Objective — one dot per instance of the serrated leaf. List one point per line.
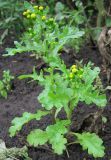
(56, 138)
(59, 127)
(89, 74)
(58, 144)
(92, 143)
(37, 137)
(27, 5)
(18, 122)
(56, 93)
(40, 114)
(86, 91)
(54, 134)
(99, 100)
(70, 34)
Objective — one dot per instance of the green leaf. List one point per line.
(59, 127)
(28, 5)
(40, 114)
(54, 134)
(34, 76)
(89, 74)
(86, 90)
(56, 138)
(56, 93)
(1, 85)
(67, 34)
(108, 21)
(18, 122)
(3, 93)
(92, 143)
(99, 100)
(5, 85)
(37, 137)
(58, 144)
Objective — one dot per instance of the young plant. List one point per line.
(63, 89)
(5, 85)
(44, 36)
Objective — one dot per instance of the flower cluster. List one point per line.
(75, 72)
(29, 14)
(38, 12)
(33, 14)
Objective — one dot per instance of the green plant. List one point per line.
(10, 17)
(91, 16)
(74, 16)
(5, 85)
(63, 89)
(44, 35)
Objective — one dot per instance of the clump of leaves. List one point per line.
(44, 35)
(5, 83)
(63, 89)
(10, 17)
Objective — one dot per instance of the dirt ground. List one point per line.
(23, 97)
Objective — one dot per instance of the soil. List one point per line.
(23, 98)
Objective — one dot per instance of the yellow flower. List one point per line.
(28, 16)
(35, 7)
(24, 13)
(74, 66)
(28, 11)
(74, 70)
(43, 17)
(33, 15)
(41, 8)
(71, 75)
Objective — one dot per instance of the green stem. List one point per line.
(101, 12)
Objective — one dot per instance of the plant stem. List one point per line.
(72, 143)
(101, 12)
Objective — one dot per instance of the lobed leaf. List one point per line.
(37, 137)
(92, 143)
(18, 122)
(54, 134)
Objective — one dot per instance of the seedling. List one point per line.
(5, 83)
